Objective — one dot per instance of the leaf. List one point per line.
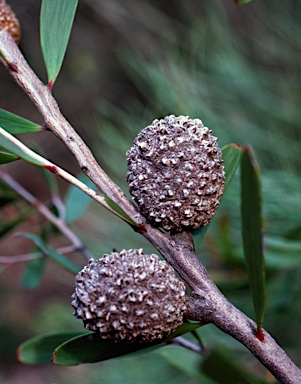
(242, 2)
(6, 157)
(6, 194)
(11, 144)
(252, 231)
(9, 225)
(120, 211)
(76, 201)
(33, 273)
(231, 156)
(186, 361)
(90, 348)
(53, 253)
(55, 26)
(15, 124)
(222, 366)
(39, 350)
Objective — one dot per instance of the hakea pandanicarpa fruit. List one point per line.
(129, 296)
(9, 21)
(175, 173)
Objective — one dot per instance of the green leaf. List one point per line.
(11, 144)
(15, 124)
(231, 157)
(76, 201)
(39, 350)
(222, 366)
(252, 231)
(33, 273)
(120, 211)
(242, 2)
(55, 26)
(186, 361)
(6, 194)
(9, 225)
(53, 253)
(6, 157)
(90, 348)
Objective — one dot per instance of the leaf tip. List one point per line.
(19, 354)
(53, 357)
(236, 146)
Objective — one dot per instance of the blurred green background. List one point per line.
(129, 62)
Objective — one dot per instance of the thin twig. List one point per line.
(41, 96)
(187, 344)
(207, 304)
(42, 162)
(39, 206)
(33, 256)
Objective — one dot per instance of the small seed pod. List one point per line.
(175, 173)
(9, 21)
(129, 296)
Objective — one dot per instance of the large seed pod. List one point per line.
(175, 173)
(9, 21)
(129, 296)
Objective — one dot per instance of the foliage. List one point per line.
(239, 99)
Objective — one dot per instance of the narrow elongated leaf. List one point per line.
(6, 157)
(76, 201)
(11, 144)
(33, 273)
(53, 253)
(90, 348)
(222, 366)
(252, 231)
(186, 361)
(56, 22)
(15, 124)
(242, 2)
(39, 350)
(231, 157)
(8, 225)
(120, 211)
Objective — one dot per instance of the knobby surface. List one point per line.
(207, 304)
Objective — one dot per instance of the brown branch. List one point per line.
(207, 304)
(33, 256)
(40, 207)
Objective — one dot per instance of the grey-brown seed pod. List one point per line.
(129, 296)
(9, 21)
(175, 173)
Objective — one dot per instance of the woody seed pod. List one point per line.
(129, 296)
(9, 21)
(175, 173)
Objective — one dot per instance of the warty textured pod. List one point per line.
(129, 296)
(175, 173)
(9, 21)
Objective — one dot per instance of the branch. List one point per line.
(40, 207)
(42, 97)
(36, 159)
(33, 256)
(207, 304)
